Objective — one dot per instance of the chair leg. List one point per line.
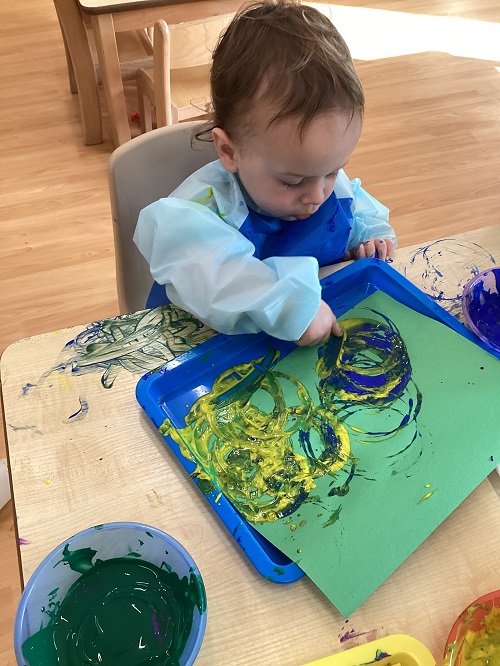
(71, 72)
(143, 95)
(145, 40)
(76, 38)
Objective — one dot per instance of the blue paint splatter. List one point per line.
(352, 634)
(427, 269)
(81, 413)
(27, 387)
(26, 427)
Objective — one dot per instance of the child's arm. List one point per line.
(371, 234)
(208, 269)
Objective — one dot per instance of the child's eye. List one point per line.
(286, 185)
(290, 185)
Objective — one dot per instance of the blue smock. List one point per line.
(215, 254)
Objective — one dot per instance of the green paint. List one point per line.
(333, 518)
(279, 570)
(119, 612)
(138, 342)
(78, 560)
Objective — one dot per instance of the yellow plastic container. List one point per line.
(402, 650)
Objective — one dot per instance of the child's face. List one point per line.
(286, 177)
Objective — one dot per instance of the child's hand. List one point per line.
(375, 247)
(322, 326)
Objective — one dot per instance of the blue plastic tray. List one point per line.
(166, 392)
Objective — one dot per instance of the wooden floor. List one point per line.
(430, 150)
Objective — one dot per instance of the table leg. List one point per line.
(107, 51)
(76, 39)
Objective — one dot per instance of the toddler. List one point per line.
(239, 243)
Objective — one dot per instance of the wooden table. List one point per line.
(111, 16)
(82, 454)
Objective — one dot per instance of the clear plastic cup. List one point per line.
(51, 580)
(481, 306)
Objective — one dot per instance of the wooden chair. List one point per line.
(179, 84)
(83, 68)
(141, 171)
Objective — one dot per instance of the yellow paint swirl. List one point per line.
(264, 454)
(248, 452)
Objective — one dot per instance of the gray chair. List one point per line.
(141, 171)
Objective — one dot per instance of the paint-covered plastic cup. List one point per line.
(481, 306)
(115, 594)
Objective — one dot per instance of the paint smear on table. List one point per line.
(119, 612)
(138, 342)
(429, 269)
(335, 452)
(80, 414)
(135, 343)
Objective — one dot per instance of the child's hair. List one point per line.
(289, 55)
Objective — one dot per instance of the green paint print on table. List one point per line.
(137, 342)
(133, 343)
(333, 458)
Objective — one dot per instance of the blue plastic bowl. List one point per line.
(481, 306)
(51, 580)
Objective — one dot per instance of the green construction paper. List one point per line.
(401, 497)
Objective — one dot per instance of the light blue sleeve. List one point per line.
(370, 217)
(208, 269)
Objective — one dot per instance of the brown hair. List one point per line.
(289, 54)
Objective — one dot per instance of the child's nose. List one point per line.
(314, 194)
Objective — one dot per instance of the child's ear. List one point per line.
(225, 148)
